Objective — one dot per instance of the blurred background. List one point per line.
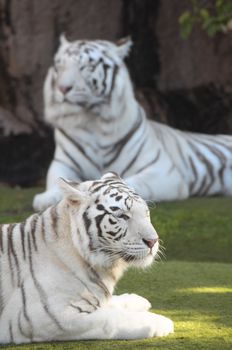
(180, 64)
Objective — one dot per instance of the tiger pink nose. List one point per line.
(150, 242)
(65, 88)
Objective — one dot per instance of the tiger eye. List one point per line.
(100, 207)
(124, 217)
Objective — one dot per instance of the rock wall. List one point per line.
(29, 35)
(195, 74)
(185, 83)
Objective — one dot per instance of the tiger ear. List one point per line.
(63, 39)
(124, 46)
(71, 192)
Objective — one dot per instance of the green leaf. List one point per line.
(219, 3)
(213, 29)
(211, 18)
(184, 17)
(186, 24)
(204, 14)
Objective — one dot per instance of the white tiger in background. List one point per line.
(99, 126)
(58, 269)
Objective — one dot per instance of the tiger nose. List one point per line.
(65, 88)
(150, 242)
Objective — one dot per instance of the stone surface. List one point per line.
(197, 61)
(195, 74)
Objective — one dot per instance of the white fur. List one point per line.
(159, 162)
(56, 280)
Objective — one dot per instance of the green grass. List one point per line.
(199, 229)
(193, 285)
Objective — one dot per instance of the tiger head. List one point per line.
(84, 73)
(110, 222)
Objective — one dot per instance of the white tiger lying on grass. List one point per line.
(58, 269)
(99, 126)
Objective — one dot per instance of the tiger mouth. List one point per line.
(131, 258)
(77, 101)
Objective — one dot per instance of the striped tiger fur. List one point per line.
(58, 269)
(99, 126)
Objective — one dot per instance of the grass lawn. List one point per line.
(193, 285)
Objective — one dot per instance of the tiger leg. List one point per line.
(110, 323)
(227, 180)
(53, 195)
(132, 302)
(153, 186)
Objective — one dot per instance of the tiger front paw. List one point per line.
(162, 325)
(131, 302)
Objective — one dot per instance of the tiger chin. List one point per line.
(60, 267)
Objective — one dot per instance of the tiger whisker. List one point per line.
(160, 255)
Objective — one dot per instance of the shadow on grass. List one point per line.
(167, 343)
(208, 304)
